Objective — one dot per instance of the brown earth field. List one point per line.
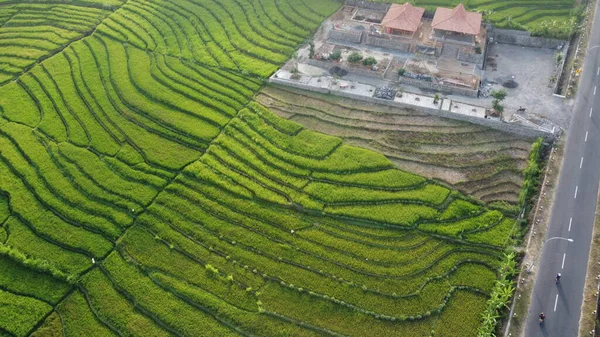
(484, 163)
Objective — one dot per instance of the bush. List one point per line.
(532, 173)
(336, 55)
(500, 296)
(497, 106)
(369, 61)
(478, 50)
(498, 94)
(401, 71)
(355, 57)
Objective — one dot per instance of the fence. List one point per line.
(353, 36)
(438, 87)
(387, 42)
(522, 38)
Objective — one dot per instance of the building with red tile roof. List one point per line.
(402, 19)
(457, 20)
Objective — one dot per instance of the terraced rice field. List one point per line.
(145, 192)
(528, 13)
(483, 163)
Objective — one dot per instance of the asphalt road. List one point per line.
(573, 213)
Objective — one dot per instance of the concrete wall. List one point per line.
(438, 87)
(354, 36)
(350, 70)
(522, 38)
(560, 69)
(491, 123)
(471, 58)
(390, 43)
(378, 6)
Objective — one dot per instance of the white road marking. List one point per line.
(591, 109)
(581, 162)
(570, 222)
(586, 134)
(576, 188)
(555, 302)
(594, 90)
(563, 263)
(598, 72)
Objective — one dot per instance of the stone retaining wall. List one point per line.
(350, 70)
(522, 38)
(438, 87)
(353, 36)
(491, 123)
(389, 43)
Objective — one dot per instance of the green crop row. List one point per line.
(459, 209)
(307, 253)
(285, 126)
(237, 151)
(236, 34)
(396, 214)
(19, 314)
(377, 236)
(334, 194)
(241, 239)
(163, 260)
(115, 309)
(482, 221)
(176, 315)
(31, 282)
(344, 159)
(47, 221)
(305, 143)
(77, 318)
(73, 91)
(155, 141)
(53, 25)
(244, 321)
(345, 293)
(52, 186)
(497, 235)
(93, 168)
(385, 179)
(147, 129)
(320, 312)
(27, 248)
(5, 211)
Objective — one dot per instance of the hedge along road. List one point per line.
(573, 212)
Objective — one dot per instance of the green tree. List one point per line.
(355, 57)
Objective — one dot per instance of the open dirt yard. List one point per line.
(532, 69)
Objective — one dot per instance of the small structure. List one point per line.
(456, 24)
(403, 20)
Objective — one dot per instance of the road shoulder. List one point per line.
(587, 322)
